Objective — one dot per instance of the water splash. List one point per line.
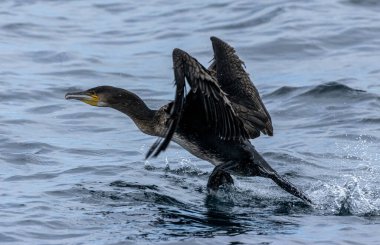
(355, 192)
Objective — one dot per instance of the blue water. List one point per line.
(75, 174)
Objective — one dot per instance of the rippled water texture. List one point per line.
(75, 174)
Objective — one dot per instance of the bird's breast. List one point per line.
(198, 149)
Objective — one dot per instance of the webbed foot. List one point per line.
(218, 178)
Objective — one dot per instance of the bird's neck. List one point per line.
(141, 114)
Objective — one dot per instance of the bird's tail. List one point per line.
(265, 170)
(286, 185)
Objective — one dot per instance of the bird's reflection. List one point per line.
(220, 215)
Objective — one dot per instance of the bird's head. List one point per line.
(102, 96)
(121, 100)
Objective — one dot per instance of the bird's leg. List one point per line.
(219, 176)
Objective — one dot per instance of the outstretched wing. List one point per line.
(235, 82)
(218, 108)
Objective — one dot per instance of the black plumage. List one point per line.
(214, 120)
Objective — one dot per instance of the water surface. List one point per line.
(74, 174)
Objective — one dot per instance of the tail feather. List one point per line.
(265, 170)
(287, 186)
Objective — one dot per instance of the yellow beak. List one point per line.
(91, 99)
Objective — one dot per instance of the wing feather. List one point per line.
(235, 81)
(219, 110)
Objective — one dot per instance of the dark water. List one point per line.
(74, 174)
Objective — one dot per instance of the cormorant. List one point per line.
(214, 120)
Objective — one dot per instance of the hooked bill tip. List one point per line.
(77, 96)
(69, 96)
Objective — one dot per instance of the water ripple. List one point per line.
(76, 174)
